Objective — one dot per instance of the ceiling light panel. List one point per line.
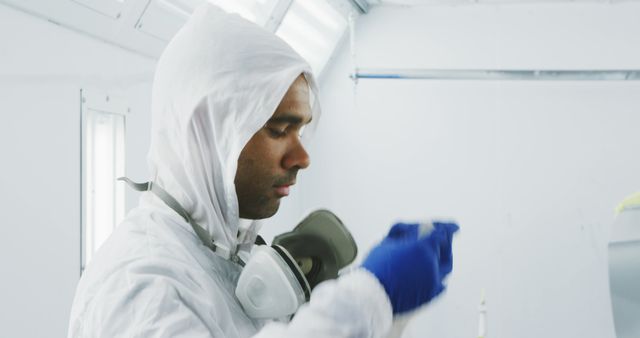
(257, 11)
(313, 28)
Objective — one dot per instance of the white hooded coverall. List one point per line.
(217, 83)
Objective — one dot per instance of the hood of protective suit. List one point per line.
(217, 83)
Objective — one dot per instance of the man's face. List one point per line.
(268, 164)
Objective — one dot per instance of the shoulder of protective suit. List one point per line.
(354, 305)
(366, 299)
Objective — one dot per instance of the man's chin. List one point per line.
(262, 213)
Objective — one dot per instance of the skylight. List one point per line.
(313, 28)
(258, 11)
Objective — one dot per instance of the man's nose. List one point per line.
(296, 157)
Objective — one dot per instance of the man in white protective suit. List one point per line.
(230, 102)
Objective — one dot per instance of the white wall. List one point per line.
(531, 170)
(42, 68)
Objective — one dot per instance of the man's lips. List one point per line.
(283, 189)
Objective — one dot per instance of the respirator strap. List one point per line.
(171, 202)
(291, 263)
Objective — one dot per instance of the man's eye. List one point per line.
(277, 132)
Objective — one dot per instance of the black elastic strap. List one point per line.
(295, 269)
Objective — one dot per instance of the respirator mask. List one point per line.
(277, 279)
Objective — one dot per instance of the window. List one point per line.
(103, 154)
(313, 29)
(258, 11)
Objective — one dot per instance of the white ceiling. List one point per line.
(146, 26)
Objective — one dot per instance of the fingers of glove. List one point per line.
(403, 230)
(449, 227)
(446, 261)
(446, 255)
(440, 242)
(442, 234)
(436, 238)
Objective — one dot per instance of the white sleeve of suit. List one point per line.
(354, 305)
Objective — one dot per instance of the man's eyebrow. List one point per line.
(287, 118)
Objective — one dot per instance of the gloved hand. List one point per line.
(411, 268)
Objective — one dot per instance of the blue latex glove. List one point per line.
(411, 268)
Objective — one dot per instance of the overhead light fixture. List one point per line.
(257, 11)
(313, 28)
